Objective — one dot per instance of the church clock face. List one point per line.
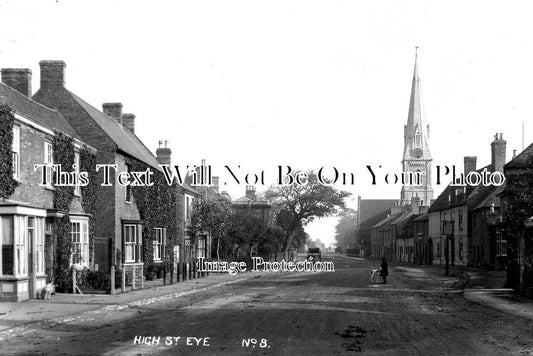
(417, 153)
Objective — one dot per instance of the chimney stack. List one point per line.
(470, 164)
(18, 79)
(128, 121)
(250, 192)
(113, 110)
(52, 74)
(163, 153)
(415, 205)
(498, 152)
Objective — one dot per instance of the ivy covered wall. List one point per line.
(158, 207)
(518, 208)
(7, 183)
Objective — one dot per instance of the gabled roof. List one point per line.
(523, 160)
(422, 217)
(372, 207)
(489, 197)
(39, 113)
(454, 195)
(126, 141)
(243, 199)
(389, 220)
(368, 223)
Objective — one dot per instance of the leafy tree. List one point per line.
(272, 242)
(345, 228)
(212, 216)
(245, 232)
(303, 203)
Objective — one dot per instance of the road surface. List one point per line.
(415, 313)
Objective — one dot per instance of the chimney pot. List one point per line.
(52, 74)
(113, 110)
(128, 121)
(18, 79)
(163, 155)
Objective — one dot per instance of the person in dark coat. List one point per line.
(384, 269)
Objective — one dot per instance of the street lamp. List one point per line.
(447, 230)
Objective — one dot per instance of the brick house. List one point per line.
(121, 231)
(30, 217)
(187, 246)
(465, 207)
(250, 205)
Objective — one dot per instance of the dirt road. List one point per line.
(415, 313)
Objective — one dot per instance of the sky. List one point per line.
(308, 84)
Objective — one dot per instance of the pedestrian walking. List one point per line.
(384, 269)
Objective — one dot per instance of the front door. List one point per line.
(32, 268)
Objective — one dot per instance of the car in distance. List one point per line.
(313, 254)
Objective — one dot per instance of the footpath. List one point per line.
(61, 307)
(479, 286)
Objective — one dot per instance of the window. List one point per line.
(128, 187)
(460, 212)
(460, 248)
(159, 243)
(8, 259)
(188, 209)
(132, 243)
(501, 245)
(438, 249)
(77, 188)
(48, 159)
(20, 246)
(79, 232)
(16, 151)
(201, 248)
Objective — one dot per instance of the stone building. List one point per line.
(250, 205)
(464, 206)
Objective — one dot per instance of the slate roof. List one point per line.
(372, 207)
(455, 195)
(422, 217)
(368, 223)
(126, 141)
(523, 160)
(475, 197)
(38, 113)
(490, 198)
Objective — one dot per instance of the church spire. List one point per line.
(415, 106)
(416, 155)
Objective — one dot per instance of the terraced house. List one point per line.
(44, 229)
(136, 225)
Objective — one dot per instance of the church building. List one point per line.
(417, 159)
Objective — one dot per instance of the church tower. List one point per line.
(416, 157)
